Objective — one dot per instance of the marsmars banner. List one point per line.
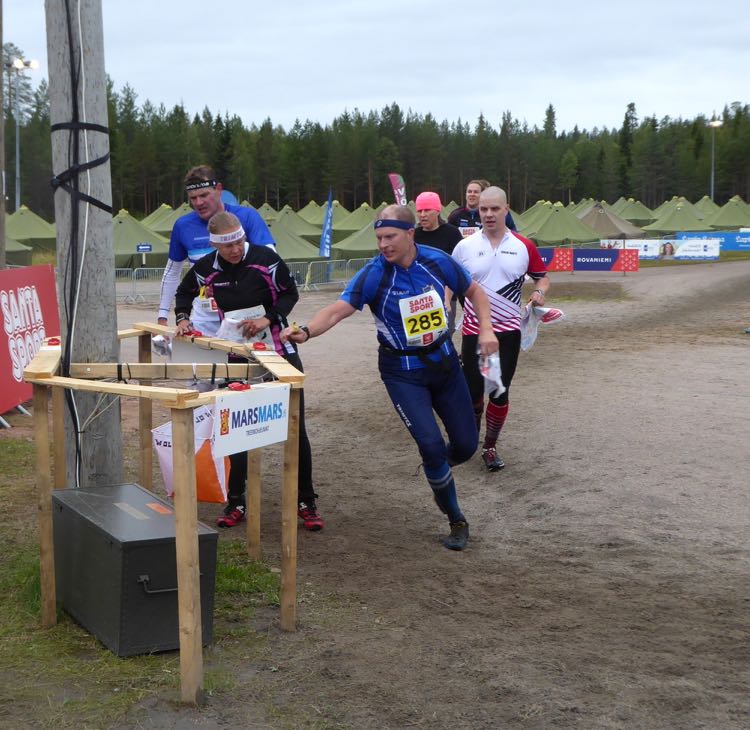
(28, 302)
(399, 188)
(250, 419)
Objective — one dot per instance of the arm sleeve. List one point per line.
(169, 283)
(286, 289)
(186, 292)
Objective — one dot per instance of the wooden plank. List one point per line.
(188, 565)
(44, 500)
(175, 397)
(44, 365)
(166, 371)
(253, 503)
(279, 367)
(289, 518)
(125, 334)
(145, 417)
(58, 437)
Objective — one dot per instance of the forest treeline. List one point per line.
(151, 148)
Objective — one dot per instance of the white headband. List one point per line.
(224, 238)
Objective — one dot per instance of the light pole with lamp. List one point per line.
(18, 65)
(714, 124)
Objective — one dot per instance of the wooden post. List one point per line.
(253, 503)
(289, 517)
(44, 496)
(91, 325)
(145, 419)
(188, 564)
(58, 436)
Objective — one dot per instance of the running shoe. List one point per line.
(232, 517)
(459, 536)
(492, 460)
(308, 513)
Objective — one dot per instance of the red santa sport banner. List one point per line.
(28, 302)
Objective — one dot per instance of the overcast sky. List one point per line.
(311, 60)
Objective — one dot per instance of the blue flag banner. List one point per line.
(327, 234)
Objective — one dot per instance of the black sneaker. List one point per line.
(492, 460)
(459, 536)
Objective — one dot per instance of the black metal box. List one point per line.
(116, 567)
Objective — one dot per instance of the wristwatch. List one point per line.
(306, 330)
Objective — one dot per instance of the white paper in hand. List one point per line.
(489, 366)
(231, 326)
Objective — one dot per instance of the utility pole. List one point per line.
(85, 256)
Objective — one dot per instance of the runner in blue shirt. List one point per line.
(405, 288)
(189, 240)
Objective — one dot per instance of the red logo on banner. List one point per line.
(28, 303)
(562, 260)
(627, 260)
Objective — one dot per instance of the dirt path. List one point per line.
(606, 583)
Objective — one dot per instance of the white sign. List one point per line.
(697, 248)
(250, 419)
(648, 248)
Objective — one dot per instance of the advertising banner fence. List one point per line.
(28, 301)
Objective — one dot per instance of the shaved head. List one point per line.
(493, 193)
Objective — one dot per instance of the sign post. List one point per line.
(143, 249)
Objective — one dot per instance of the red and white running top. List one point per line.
(501, 272)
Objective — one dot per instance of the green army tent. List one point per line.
(608, 224)
(529, 213)
(16, 254)
(706, 206)
(267, 212)
(28, 228)
(291, 246)
(618, 204)
(128, 234)
(676, 218)
(156, 215)
(290, 220)
(309, 211)
(359, 245)
(558, 226)
(732, 216)
(636, 212)
(355, 221)
(448, 208)
(339, 213)
(164, 226)
(381, 207)
(528, 218)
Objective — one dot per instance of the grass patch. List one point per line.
(64, 677)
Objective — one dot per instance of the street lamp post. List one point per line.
(18, 65)
(714, 124)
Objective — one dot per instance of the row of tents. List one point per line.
(297, 233)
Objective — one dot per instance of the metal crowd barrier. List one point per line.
(143, 286)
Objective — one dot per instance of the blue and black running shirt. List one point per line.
(382, 286)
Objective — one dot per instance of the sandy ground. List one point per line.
(606, 581)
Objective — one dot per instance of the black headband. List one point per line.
(201, 184)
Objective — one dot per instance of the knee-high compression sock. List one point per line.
(444, 490)
(478, 410)
(496, 416)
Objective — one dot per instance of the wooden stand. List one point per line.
(42, 372)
